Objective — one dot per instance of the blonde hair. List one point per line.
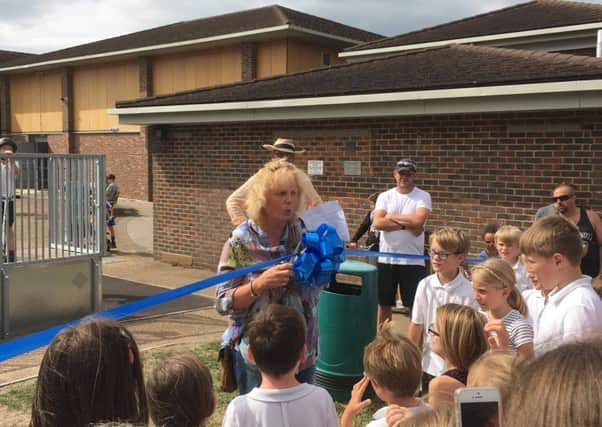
(562, 388)
(451, 240)
(394, 362)
(508, 234)
(442, 416)
(553, 234)
(496, 368)
(274, 174)
(496, 273)
(462, 336)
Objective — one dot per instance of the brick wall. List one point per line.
(58, 143)
(478, 168)
(126, 156)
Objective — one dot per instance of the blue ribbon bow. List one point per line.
(321, 258)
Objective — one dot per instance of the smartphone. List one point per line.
(478, 407)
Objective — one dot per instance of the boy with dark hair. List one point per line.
(277, 347)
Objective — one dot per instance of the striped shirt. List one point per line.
(519, 329)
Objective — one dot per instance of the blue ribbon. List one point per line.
(323, 254)
(314, 266)
(39, 339)
(364, 252)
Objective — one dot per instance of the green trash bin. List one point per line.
(347, 322)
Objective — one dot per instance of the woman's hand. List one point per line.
(273, 277)
(356, 404)
(352, 245)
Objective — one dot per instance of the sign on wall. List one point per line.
(315, 167)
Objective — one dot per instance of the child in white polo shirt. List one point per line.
(277, 347)
(507, 239)
(553, 250)
(448, 250)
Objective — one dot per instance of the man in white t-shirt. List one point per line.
(400, 214)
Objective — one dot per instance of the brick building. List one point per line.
(492, 130)
(62, 97)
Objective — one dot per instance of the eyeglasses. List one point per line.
(563, 198)
(441, 255)
(433, 332)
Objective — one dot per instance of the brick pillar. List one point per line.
(145, 85)
(145, 76)
(4, 105)
(249, 61)
(67, 104)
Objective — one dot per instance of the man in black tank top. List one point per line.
(589, 224)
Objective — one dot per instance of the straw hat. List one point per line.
(283, 145)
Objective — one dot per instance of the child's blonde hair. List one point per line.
(498, 274)
(561, 387)
(462, 334)
(553, 234)
(394, 362)
(498, 369)
(508, 234)
(442, 416)
(451, 240)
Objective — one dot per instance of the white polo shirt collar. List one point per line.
(557, 295)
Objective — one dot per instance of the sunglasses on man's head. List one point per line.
(562, 198)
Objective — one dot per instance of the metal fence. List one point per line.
(52, 207)
(52, 239)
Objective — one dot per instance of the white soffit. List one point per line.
(476, 39)
(535, 96)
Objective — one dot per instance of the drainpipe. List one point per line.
(599, 44)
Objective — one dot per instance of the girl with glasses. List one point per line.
(459, 338)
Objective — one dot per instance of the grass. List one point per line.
(19, 396)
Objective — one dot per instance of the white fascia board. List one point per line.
(324, 35)
(476, 39)
(514, 103)
(354, 100)
(150, 48)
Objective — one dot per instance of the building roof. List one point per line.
(204, 28)
(522, 17)
(452, 66)
(7, 55)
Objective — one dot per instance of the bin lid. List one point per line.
(355, 267)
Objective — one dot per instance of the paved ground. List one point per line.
(129, 272)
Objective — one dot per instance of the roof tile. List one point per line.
(454, 66)
(246, 20)
(522, 17)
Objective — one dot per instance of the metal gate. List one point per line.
(52, 239)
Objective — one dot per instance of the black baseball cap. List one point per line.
(8, 141)
(406, 165)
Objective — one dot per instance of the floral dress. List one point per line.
(248, 245)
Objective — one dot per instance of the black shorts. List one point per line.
(11, 210)
(390, 276)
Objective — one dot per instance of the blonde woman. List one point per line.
(274, 201)
(459, 338)
(495, 290)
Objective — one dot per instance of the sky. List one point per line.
(38, 26)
